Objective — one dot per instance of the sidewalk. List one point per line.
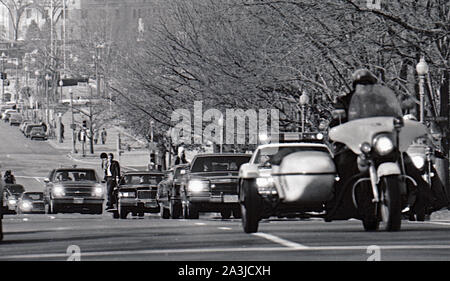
(134, 159)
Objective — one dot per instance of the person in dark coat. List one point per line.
(112, 176)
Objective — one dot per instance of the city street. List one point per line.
(99, 237)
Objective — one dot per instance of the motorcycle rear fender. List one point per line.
(388, 169)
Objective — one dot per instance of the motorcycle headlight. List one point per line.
(58, 191)
(383, 145)
(198, 186)
(127, 194)
(418, 161)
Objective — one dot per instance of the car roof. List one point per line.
(222, 154)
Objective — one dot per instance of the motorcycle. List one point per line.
(379, 143)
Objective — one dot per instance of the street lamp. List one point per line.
(422, 70)
(47, 78)
(36, 74)
(72, 126)
(304, 100)
(3, 59)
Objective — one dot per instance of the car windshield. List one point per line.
(273, 153)
(37, 129)
(75, 175)
(219, 163)
(141, 179)
(33, 196)
(15, 189)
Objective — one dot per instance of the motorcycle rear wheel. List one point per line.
(390, 205)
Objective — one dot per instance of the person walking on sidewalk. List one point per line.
(112, 175)
(103, 135)
(95, 136)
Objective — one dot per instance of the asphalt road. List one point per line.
(99, 237)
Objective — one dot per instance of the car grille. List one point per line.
(146, 194)
(78, 192)
(39, 205)
(224, 188)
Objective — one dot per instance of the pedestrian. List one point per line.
(181, 158)
(82, 140)
(103, 135)
(112, 175)
(9, 177)
(95, 136)
(62, 132)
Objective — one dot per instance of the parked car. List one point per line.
(31, 203)
(29, 127)
(7, 114)
(70, 190)
(169, 195)
(15, 119)
(136, 194)
(23, 124)
(38, 133)
(12, 193)
(211, 185)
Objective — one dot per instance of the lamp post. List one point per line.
(72, 125)
(422, 70)
(169, 136)
(221, 133)
(3, 59)
(47, 118)
(61, 84)
(304, 100)
(36, 74)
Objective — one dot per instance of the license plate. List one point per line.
(230, 199)
(150, 204)
(78, 200)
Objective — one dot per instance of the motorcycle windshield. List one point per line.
(373, 101)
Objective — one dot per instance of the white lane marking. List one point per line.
(224, 250)
(200, 223)
(280, 241)
(224, 228)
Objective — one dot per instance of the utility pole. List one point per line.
(72, 126)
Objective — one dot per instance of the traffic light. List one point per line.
(84, 124)
(3, 76)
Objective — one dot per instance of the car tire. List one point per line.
(226, 214)
(250, 207)
(191, 211)
(175, 210)
(123, 212)
(97, 210)
(115, 214)
(141, 214)
(1, 230)
(164, 212)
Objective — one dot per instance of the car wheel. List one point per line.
(250, 207)
(191, 211)
(123, 212)
(226, 214)
(1, 230)
(141, 214)
(175, 210)
(97, 210)
(164, 212)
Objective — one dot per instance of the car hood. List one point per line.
(77, 184)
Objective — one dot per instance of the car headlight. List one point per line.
(383, 145)
(58, 191)
(98, 191)
(12, 202)
(127, 194)
(198, 186)
(418, 161)
(26, 206)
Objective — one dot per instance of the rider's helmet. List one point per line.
(364, 77)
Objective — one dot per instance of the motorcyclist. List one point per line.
(367, 99)
(9, 177)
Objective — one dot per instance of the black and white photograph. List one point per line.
(222, 138)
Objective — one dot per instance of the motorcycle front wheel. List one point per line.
(390, 204)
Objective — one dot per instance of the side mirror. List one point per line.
(338, 114)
